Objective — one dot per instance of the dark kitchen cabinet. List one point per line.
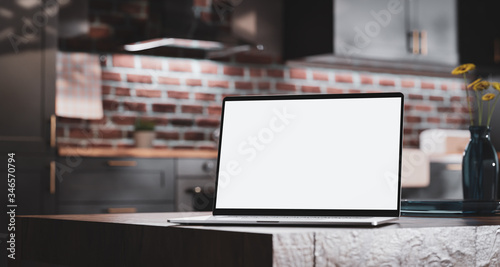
(422, 31)
(114, 185)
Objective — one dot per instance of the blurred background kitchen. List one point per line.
(82, 80)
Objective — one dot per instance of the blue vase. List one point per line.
(480, 166)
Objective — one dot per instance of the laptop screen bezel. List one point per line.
(311, 212)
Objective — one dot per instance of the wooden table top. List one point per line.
(136, 152)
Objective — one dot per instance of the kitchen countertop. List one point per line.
(136, 152)
(147, 239)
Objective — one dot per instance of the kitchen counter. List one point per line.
(146, 239)
(136, 152)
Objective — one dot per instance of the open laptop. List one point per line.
(308, 160)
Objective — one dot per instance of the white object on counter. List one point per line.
(415, 171)
(441, 143)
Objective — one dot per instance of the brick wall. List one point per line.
(183, 97)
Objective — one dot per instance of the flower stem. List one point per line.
(490, 112)
(468, 101)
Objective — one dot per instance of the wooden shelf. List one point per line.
(136, 152)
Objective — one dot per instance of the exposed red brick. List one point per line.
(80, 133)
(243, 85)
(320, 76)
(343, 78)
(264, 85)
(464, 110)
(436, 98)
(285, 86)
(434, 120)
(413, 119)
(136, 78)
(206, 16)
(200, 3)
(194, 136)
(408, 107)
(407, 83)
(332, 90)
(135, 106)
(386, 82)
(372, 91)
(221, 84)
(423, 107)
(298, 74)
(121, 91)
(214, 110)
(147, 93)
(110, 76)
(256, 72)
(193, 82)
(276, 73)
(416, 97)
(168, 135)
(208, 68)
(178, 95)
(204, 96)
(155, 120)
(233, 71)
(162, 107)
(100, 145)
(106, 90)
(407, 131)
(197, 109)
(366, 79)
(110, 133)
(310, 89)
(445, 109)
(168, 80)
(453, 120)
(126, 61)
(207, 122)
(123, 120)
(151, 63)
(181, 121)
(427, 85)
(110, 104)
(444, 87)
(99, 31)
(100, 121)
(59, 131)
(180, 66)
(354, 91)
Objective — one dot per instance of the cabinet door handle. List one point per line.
(52, 130)
(122, 210)
(122, 163)
(52, 182)
(416, 42)
(423, 42)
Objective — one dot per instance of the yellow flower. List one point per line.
(474, 83)
(482, 85)
(463, 69)
(488, 97)
(496, 85)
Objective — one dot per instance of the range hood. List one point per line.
(225, 28)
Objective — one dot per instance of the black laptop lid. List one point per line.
(310, 155)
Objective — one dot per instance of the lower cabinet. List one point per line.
(114, 185)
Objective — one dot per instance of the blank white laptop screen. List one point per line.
(332, 154)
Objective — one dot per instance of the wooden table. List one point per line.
(146, 239)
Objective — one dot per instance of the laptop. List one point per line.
(330, 159)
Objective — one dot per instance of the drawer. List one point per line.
(195, 167)
(98, 179)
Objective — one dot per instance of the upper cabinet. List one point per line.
(422, 31)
